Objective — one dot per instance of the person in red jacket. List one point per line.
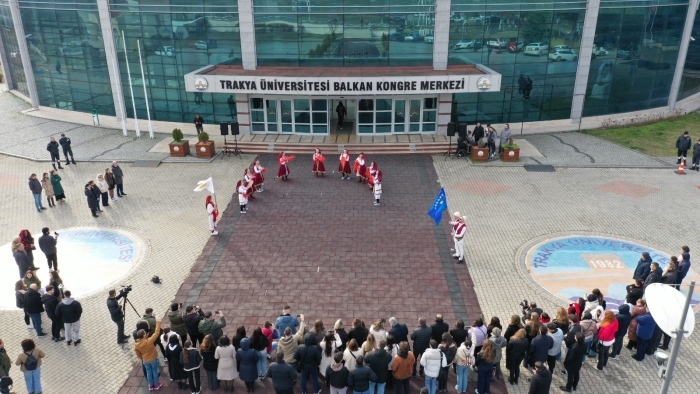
(607, 329)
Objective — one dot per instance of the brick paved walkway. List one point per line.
(319, 245)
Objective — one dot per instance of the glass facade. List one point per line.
(536, 52)
(67, 56)
(176, 37)
(639, 48)
(344, 33)
(690, 82)
(14, 59)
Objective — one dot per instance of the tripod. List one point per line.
(126, 301)
(226, 150)
(449, 150)
(236, 151)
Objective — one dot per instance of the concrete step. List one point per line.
(429, 148)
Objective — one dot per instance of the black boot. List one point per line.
(54, 166)
(53, 203)
(73, 160)
(59, 165)
(67, 162)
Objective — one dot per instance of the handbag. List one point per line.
(377, 188)
(442, 374)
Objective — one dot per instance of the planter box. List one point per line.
(479, 154)
(205, 149)
(510, 155)
(180, 150)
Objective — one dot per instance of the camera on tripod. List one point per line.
(124, 291)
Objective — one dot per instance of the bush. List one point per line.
(482, 143)
(203, 136)
(177, 135)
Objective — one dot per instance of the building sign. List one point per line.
(343, 85)
(570, 267)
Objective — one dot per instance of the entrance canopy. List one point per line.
(356, 81)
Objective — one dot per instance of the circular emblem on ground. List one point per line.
(511, 153)
(479, 153)
(483, 84)
(570, 267)
(89, 259)
(201, 84)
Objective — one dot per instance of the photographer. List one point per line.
(193, 315)
(115, 311)
(528, 308)
(177, 323)
(209, 326)
(47, 244)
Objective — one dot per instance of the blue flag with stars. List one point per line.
(438, 207)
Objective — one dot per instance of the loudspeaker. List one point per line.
(462, 130)
(224, 128)
(451, 129)
(234, 129)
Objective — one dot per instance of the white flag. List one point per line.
(205, 184)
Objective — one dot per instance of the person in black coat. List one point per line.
(358, 332)
(247, 360)
(209, 361)
(283, 375)
(340, 330)
(50, 303)
(398, 330)
(683, 144)
(573, 362)
(541, 380)
(459, 334)
(33, 307)
(308, 357)
(539, 347)
(623, 323)
(478, 133)
(635, 291)
(67, 150)
(360, 378)
(515, 353)
(421, 340)
(574, 328)
(643, 267)
(52, 147)
(336, 373)
(193, 315)
(176, 370)
(438, 328)
(378, 360)
(654, 276)
(92, 193)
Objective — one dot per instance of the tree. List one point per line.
(538, 26)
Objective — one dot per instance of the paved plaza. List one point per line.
(321, 246)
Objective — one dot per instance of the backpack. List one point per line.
(32, 363)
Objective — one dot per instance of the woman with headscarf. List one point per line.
(213, 214)
(48, 189)
(283, 172)
(377, 188)
(371, 173)
(27, 240)
(258, 177)
(318, 167)
(360, 168)
(57, 188)
(344, 166)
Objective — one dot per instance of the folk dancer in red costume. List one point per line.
(371, 172)
(344, 166)
(213, 215)
(283, 172)
(242, 190)
(454, 222)
(258, 177)
(360, 169)
(319, 167)
(459, 232)
(377, 187)
(249, 181)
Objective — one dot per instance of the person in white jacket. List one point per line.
(555, 352)
(432, 361)
(331, 341)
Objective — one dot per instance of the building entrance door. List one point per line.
(348, 125)
(289, 115)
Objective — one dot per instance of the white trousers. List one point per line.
(459, 248)
(72, 331)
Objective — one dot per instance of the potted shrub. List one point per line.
(179, 147)
(511, 151)
(204, 147)
(480, 152)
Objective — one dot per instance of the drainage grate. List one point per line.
(539, 168)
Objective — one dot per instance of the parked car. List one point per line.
(201, 45)
(165, 51)
(395, 37)
(563, 54)
(599, 51)
(557, 47)
(429, 38)
(515, 46)
(497, 43)
(414, 37)
(469, 44)
(628, 53)
(536, 49)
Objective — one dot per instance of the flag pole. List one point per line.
(145, 92)
(131, 87)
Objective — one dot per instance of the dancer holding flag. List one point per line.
(459, 231)
(258, 177)
(213, 215)
(344, 166)
(319, 167)
(371, 173)
(360, 168)
(439, 206)
(283, 172)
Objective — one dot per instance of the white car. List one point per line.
(497, 43)
(563, 54)
(468, 44)
(165, 51)
(429, 38)
(557, 47)
(599, 51)
(536, 49)
(201, 45)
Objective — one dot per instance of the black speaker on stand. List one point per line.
(451, 131)
(223, 127)
(236, 131)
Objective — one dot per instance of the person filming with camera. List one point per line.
(528, 308)
(115, 310)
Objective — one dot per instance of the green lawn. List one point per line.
(656, 139)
